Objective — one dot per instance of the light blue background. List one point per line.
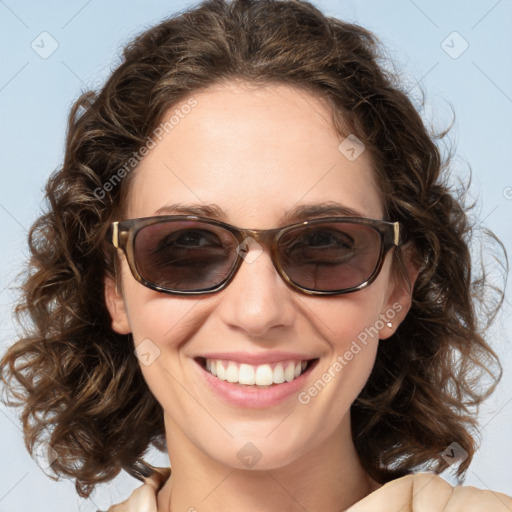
(36, 94)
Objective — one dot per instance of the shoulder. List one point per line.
(428, 492)
(144, 498)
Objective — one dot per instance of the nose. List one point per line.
(257, 300)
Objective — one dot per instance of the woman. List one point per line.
(251, 261)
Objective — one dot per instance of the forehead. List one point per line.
(255, 152)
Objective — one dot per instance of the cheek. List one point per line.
(350, 318)
(350, 325)
(353, 337)
(358, 318)
(166, 321)
(161, 318)
(162, 327)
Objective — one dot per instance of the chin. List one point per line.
(259, 452)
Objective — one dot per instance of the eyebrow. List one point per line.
(315, 210)
(297, 214)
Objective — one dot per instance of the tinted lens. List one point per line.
(330, 256)
(184, 255)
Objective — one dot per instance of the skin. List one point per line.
(421, 492)
(256, 152)
(426, 492)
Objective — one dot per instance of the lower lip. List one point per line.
(251, 396)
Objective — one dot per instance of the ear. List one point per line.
(399, 299)
(116, 307)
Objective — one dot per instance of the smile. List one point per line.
(263, 375)
(255, 381)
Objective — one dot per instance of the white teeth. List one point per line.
(278, 374)
(264, 375)
(232, 373)
(289, 372)
(221, 372)
(260, 375)
(246, 375)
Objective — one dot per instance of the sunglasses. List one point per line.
(190, 255)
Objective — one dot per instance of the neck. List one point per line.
(329, 477)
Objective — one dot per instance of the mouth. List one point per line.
(261, 376)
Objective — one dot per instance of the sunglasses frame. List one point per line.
(121, 234)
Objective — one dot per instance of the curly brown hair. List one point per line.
(79, 382)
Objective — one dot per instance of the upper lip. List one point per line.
(255, 359)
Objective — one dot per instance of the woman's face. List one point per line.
(255, 154)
